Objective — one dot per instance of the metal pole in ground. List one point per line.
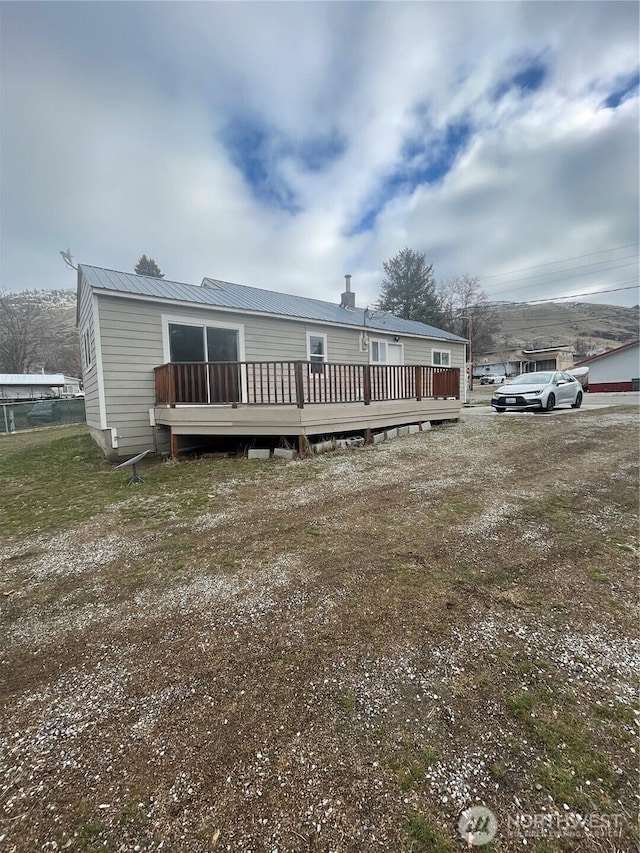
(6, 422)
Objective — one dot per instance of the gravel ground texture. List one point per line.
(340, 654)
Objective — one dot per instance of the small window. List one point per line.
(86, 348)
(317, 350)
(441, 358)
(378, 352)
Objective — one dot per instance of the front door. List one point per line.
(224, 379)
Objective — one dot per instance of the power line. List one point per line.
(575, 295)
(561, 261)
(587, 293)
(531, 317)
(565, 275)
(551, 298)
(570, 321)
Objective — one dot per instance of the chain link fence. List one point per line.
(31, 414)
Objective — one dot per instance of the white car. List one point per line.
(541, 392)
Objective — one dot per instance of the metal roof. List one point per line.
(224, 294)
(31, 379)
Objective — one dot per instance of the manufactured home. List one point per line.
(167, 363)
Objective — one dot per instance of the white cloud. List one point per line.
(113, 116)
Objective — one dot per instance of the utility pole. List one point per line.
(470, 335)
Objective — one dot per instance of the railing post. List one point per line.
(418, 382)
(297, 370)
(172, 385)
(366, 384)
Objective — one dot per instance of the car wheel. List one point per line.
(551, 402)
(499, 409)
(578, 401)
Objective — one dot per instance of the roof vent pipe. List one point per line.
(347, 299)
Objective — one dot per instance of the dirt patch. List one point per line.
(333, 654)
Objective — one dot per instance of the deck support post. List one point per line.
(368, 438)
(173, 444)
(304, 447)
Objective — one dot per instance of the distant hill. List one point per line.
(48, 298)
(587, 326)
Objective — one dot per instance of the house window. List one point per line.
(86, 348)
(385, 352)
(441, 357)
(317, 351)
(217, 347)
(378, 352)
(202, 343)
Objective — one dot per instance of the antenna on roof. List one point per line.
(67, 257)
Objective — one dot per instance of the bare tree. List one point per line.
(20, 332)
(35, 335)
(467, 311)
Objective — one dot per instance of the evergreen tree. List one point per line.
(147, 266)
(409, 288)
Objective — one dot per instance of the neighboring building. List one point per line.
(30, 386)
(502, 363)
(165, 361)
(72, 387)
(513, 362)
(615, 370)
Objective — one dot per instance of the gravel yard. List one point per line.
(331, 654)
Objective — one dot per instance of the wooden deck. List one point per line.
(300, 398)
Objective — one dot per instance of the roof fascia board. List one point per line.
(144, 297)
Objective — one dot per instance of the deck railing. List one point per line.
(300, 383)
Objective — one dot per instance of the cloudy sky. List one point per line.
(283, 145)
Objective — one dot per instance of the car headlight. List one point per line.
(532, 393)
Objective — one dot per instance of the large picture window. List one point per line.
(219, 347)
(202, 343)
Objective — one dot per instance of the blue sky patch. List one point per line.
(257, 149)
(528, 79)
(422, 163)
(316, 155)
(253, 149)
(629, 87)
